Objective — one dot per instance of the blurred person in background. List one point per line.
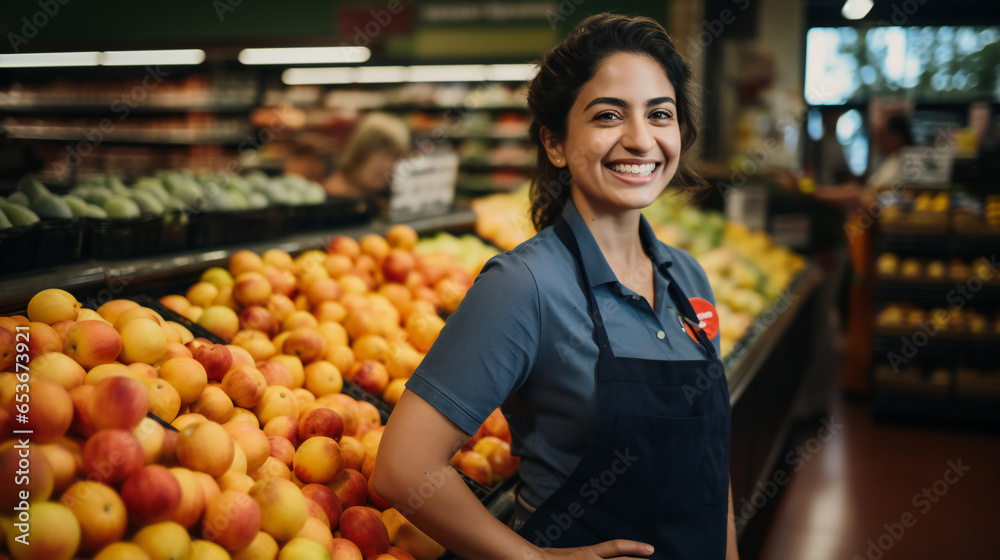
(364, 170)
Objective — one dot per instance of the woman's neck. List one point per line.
(616, 233)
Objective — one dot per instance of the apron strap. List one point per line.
(685, 307)
(565, 234)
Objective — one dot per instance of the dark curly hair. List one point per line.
(565, 69)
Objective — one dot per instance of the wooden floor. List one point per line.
(854, 497)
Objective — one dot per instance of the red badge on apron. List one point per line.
(708, 316)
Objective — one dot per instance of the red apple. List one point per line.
(283, 426)
(252, 288)
(256, 317)
(327, 500)
(151, 494)
(92, 343)
(232, 520)
(118, 402)
(81, 424)
(112, 455)
(215, 358)
(282, 449)
(351, 487)
(321, 422)
(397, 265)
(276, 373)
(363, 526)
(49, 412)
(369, 375)
(343, 245)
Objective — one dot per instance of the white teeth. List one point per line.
(636, 169)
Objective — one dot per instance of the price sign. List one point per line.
(423, 186)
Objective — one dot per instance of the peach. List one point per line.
(187, 375)
(206, 447)
(474, 465)
(403, 361)
(236, 481)
(151, 436)
(277, 401)
(54, 533)
(100, 512)
(326, 499)
(142, 371)
(344, 245)
(172, 334)
(202, 549)
(239, 463)
(252, 288)
(220, 320)
(176, 303)
(263, 547)
(81, 423)
(110, 310)
(321, 422)
(301, 548)
(49, 412)
(330, 312)
(337, 265)
(122, 551)
(401, 236)
(300, 318)
(257, 317)
(164, 539)
(232, 520)
(192, 503)
(397, 265)
(92, 343)
(118, 402)
(201, 294)
(283, 507)
(38, 485)
(137, 313)
(209, 487)
(214, 404)
(278, 259)
(370, 376)
(142, 341)
(244, 416)
(305, 343)
(52, 306)
(151, 494)
(245, 261)
(351, 487)
(114, 369)
(323, 378)
(344, 549)
(276, 374)
(164, 400)
(496, 425)
(215, 358)
(183, 331)
(364, 527)
(353, 283)
(318, 460)
(371, 440)
(281, 305)
(346, 407)
(317, 531)
(315, 511)
(218, 276)
(240, 356)
(497, 453)
(111, 456)
(284, 426)
(354, 452)
(340, 356)
(175, 350)
(245, 386)
(57, 368)
(394, 391)
(42, 340)
(187, 419)
(396, 553)
(272, 468)
(367, 414)
(63, 327)
(371, 347)
(282, 449)
(252, 441)
(423, 330)
(305, 396)
(323, 290)
(62, 459)
(225, 298)
(258, 345)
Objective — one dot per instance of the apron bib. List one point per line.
(656, 469)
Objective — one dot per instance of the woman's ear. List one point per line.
(553, 147)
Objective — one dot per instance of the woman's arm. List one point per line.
(413, 471)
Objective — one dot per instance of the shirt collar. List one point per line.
(597, 267)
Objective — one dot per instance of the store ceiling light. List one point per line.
(49, 60)
(159, 57)
(856, 9)
(397, 74)
(306, 55)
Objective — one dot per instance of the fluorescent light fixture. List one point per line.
(398, 74)
(856, 9)
(306, 55)
(159, 57)
(50, 60)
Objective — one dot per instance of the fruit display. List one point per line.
(470, 251)
(746, 270)
(915, 269)
(250, 466)
(953, 321)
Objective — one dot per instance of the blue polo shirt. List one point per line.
(522, 338)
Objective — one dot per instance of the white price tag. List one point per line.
(423, 186)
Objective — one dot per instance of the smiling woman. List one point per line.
(579, 334)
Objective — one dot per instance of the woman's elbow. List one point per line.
(388, 482)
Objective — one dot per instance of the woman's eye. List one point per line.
(661, 115)
(609, 116)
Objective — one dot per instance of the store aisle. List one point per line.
(855, 496)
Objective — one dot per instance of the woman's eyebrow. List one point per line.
(621, 102)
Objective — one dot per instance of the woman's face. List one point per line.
(623, 139)
(374, 173)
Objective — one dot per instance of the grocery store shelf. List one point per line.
(443, 134)
(111, 278)
(109, 108)
(474, 165)
(937, 243)
(446, 108)
(745, 361)
(144, 136)
(933, 291)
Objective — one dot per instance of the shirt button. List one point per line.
(661, 335)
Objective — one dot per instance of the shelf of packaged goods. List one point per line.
(112, 278)
(159, 137)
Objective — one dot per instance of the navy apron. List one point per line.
(656, 469)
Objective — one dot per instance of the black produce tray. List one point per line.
(198, 331)
(334, 212)
(48, 243)
(218, 227)
(174, 236)
(124, 238)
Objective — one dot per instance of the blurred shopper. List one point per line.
(587, 335)
(364, 170)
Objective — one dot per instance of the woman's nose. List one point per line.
(637, 137)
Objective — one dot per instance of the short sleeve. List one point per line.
(487, 347)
